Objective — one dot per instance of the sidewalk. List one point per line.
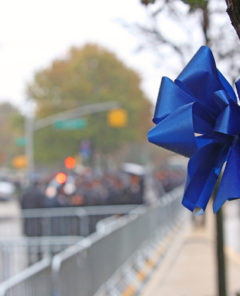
(190, 266)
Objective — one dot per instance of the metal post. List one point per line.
(29, 148)
(32, 125)
(221, 272)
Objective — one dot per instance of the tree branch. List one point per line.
(233, 10)
(155, 34)
(205, 22)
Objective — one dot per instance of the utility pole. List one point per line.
(29, 149)
(32, 125)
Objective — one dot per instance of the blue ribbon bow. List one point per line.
(198, 116)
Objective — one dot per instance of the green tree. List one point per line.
(86, 75)
(11, 128)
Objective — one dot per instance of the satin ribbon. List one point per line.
(198, 116)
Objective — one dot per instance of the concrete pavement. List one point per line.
(190, 267)
(10, 223)
(10, 208)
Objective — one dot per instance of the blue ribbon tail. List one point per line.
(229, 187)
(203, 171)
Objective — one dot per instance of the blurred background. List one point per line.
(79, 81)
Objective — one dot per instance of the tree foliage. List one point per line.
(87, 75)
(11, 128)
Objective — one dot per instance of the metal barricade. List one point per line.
(77, 221)
(25, 239)
(85, 267)
(34, 281)
(19, 253)
(55, 222)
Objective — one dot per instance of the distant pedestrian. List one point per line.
(33, 198)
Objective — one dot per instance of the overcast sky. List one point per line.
(33, 33)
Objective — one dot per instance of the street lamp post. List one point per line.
(29, 149)
(32, 125)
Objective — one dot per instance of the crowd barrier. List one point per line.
(72, 221)
(34, 281)
(18, 253)
(82, 269)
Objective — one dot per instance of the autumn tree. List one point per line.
(87, 75)
(11, 128)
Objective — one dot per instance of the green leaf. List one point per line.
(195, 3)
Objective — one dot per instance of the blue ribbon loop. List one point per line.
(198, 116)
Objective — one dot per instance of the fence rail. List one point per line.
(40, 233)
(74, 221)
(84, 268)
(18, 254)
(34, 281)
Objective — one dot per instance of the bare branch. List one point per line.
(158, 37)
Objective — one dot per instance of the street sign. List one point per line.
(20, 141)
(85, 149)
(72, 124)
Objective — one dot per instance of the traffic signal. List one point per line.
(117, 118)
(61, 178)
(70, 162)
(20, 161)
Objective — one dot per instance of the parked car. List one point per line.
(7, 190)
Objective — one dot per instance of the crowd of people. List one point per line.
(166, 179)
(85, 190)
(78, 190)
(90, 189)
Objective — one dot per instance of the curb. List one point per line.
(163, 248)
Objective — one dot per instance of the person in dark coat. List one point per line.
(33, 198)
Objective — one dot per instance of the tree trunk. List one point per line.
(233, 10)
